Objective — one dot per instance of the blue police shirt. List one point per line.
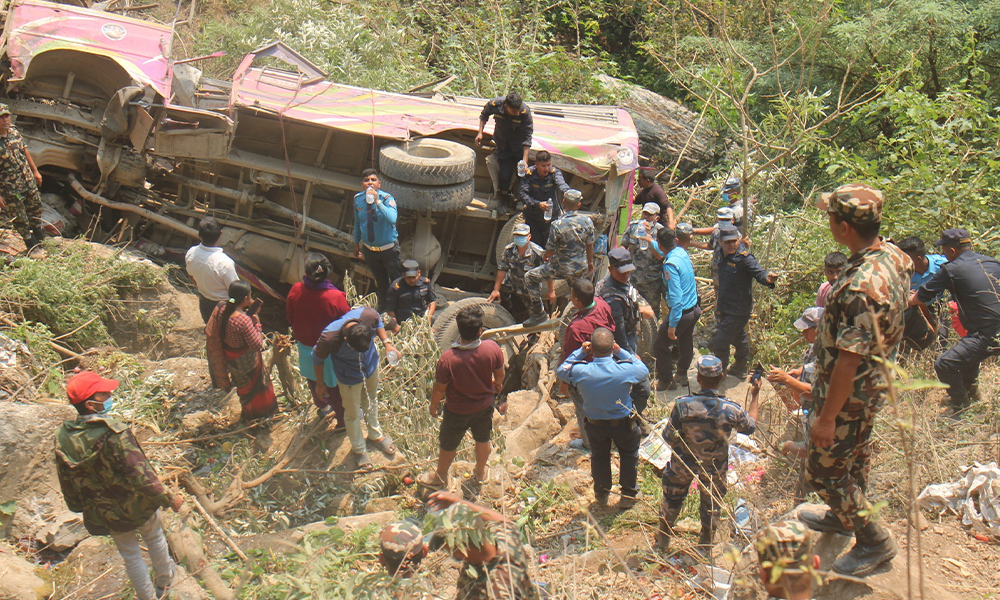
(680, 288)
(605, 383)
(350, 366)
(934, 262)
(384, 218)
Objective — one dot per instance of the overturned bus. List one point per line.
(276, 153)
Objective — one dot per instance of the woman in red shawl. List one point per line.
(235, 342)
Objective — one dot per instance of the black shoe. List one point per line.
(874, 546)
(601, 499)
(536, 318)
(974, 393)
(738, 371)
(705, 537)
(662, 541)
(824, 522)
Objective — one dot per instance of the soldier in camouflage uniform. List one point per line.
(866, 303)
(647, 278)
(105, 475)
(787, 545)
(497, 569)
(520, 256)
(20, 201)
(402, 548)
(569, 254)
(698, 431)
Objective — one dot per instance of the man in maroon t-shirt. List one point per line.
(469, 375)
(592, 313)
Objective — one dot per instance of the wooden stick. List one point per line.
(225, 538)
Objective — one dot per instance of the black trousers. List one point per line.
(640, 396)
(507, 161)
(685, 346)
(731, 330)
(385, 267)
(959, 365)
(539, 228)
(626, 437)
(206, 307)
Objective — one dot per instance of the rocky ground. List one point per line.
(271, 490)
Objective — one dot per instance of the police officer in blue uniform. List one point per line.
(512, 131)
(974, 282)
(375, 235)
(541, 191)
(737, 271)
(411, 294)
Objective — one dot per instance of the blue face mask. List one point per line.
(108, 405)
(725, 198)
(520, 241)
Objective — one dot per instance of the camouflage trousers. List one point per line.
(839, 473)
(23, 207)
(677, 478)
(652, 292)
(535, 278)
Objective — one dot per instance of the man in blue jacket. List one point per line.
(375, 235)
(604, 375)
(681, 293)
(737, 271)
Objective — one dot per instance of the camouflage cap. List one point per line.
(4, 109)
(725, 214)
(810, 318)
(651, 207)
(684, 229)
(573, 195)
(522, 229)
(855, 202)
(733, 183)
(787, 543)
(709, 366)
(401, 540)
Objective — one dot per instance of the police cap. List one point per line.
(620, 259)
(855, 202)
(709, 366)
(684, 229)
(725, 214)
(786, 543)
(728, 232)
(651, 208)
(733, 183)
(954, 237)
(411, 268)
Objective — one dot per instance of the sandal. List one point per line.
(364, 462)
(386, 445)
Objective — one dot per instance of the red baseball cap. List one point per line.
(82, 386)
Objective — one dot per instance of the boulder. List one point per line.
(63, 532)
(565, 412)
(520, 405)
(17, 578)
(27, 463)
(534, 432)
(386, 504)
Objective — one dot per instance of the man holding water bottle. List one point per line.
(647, 278)
(541, 188)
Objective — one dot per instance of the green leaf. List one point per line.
(8, 508)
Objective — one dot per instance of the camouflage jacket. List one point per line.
(15, 173)
(568, 239)
(872, 291)
(105, 475)
(506, 577)
(648, 264)
(700, 426)
(515, 265)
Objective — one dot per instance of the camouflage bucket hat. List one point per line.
(855, 202)
(709, 366)
(4, 109)
(401, 540)
(684, 229)
(573, 195)
(787, 543)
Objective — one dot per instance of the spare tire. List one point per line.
(428, 161)
(446, 329)
(423, 198)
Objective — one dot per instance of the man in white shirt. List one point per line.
(210, 268)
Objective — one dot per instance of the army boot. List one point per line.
(537, 317)
(663, 541)
(873, 547)
(824, 522)
(738, 370)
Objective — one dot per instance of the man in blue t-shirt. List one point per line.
(922, 328)
(348, 341)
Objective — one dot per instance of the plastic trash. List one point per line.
(742, 516)
(654, 449)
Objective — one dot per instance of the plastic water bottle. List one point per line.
(548, 211)
(640, 232)
(741, 515)
(370, 196)
(392, 357)
(522, 168)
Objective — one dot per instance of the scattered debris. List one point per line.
(976, 497)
